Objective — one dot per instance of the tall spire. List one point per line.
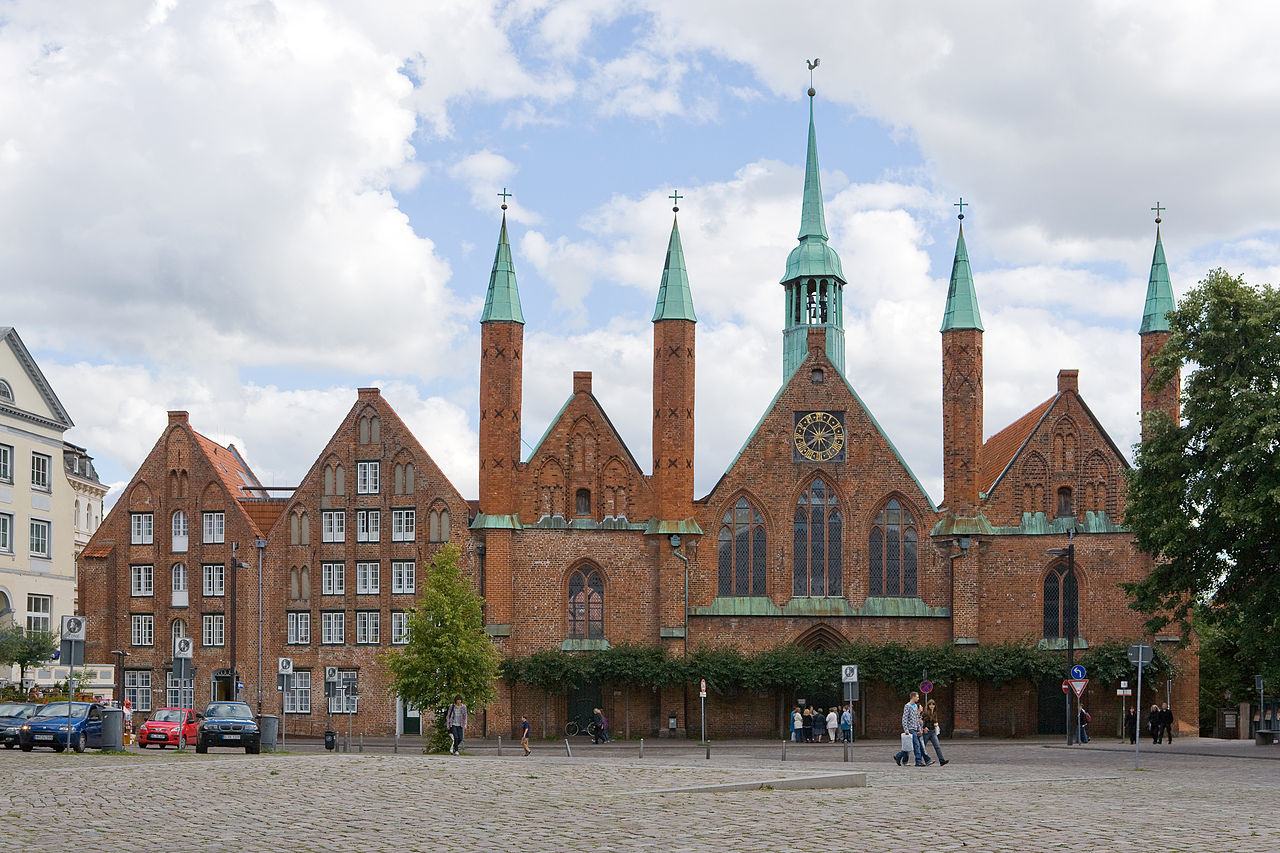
(1159, 292)
(502, 302)
(813, 220)
(962, 299)
(675, 299)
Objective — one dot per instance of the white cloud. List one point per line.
(483, 172)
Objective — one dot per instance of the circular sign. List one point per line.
(1066, 686)
(1077, 671)
(926, 687)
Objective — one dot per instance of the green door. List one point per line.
(410, 719)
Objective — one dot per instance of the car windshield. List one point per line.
(168, 715)
(59, 709)
(228, 710)
(16, 709)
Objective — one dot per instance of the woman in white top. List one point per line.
(833, 723)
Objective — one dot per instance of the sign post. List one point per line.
(1139, 654)
(849, 675)
(183, 651)
(73, 632)
(702, 692)
(284, 667)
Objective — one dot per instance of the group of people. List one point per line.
(1159, 724)
(809, 725)
(920, 727)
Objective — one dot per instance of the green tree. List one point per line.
(26, 648)
(448, 653)
(1205, 495)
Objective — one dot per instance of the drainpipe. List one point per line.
(675, 549)
(261, 545)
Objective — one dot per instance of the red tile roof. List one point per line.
(228, 464)
(99, 549)
(1000, 449)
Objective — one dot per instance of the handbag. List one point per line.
(908, 743)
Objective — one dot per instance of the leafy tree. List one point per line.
(26, 648)
(448, 653)
(1205, 495)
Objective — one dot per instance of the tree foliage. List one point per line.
(26, 649)
(448, 653)
(1205, 495)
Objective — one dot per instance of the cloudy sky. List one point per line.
(249, 209)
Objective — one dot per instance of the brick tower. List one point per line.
(961, 388)
(1155, 334)
(673, 369)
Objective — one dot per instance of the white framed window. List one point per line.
(142, 580)
(402, 576)
(213, 629)
(399, 627)
(178, 695)
(333, 628)
(39, 538)
(6, 463)
(368, 578)
(333, 525)
(141, 528)
(368, 525)
(368, 627)
(333, 579)
(215, 528)
(6, 533)
(299, 628)
(142, 629)
(137, 688)
(40, 471)
(367, 478)
(39, 612)
(179, 577)
(403, 525)
(215, 579)
(179, 539)
(347, 679)
(297, 699)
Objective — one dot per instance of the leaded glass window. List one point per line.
(818, 551)
(742, 551)
(586, 604)
(1061, 603)
(893, 553)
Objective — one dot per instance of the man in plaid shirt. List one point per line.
(912, 725)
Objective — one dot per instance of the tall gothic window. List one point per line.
(817, 542)
(742, 548)
(892, 552)
(586, 604)
(1061, 602)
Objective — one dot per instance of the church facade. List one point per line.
(816, 534)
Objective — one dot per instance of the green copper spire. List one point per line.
(1159, 292)
(502, 302)
(675, 299)
(962, 299)
(813, 257)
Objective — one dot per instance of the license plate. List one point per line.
(44, 737)
(158, 736)
(231, 737)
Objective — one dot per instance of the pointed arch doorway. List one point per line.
(829, 694)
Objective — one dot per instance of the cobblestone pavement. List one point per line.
(993, 796)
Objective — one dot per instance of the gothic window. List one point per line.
(1065, 507)
(438, 524)
(1061, 602)
(586, 604)
(582, 502)
(892, 551)
(742, 551)
(818, 526)
(370, 430)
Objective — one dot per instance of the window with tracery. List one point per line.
(892, 551)
(742, 551)
(1061, 602)
(817, 556)
(586, 604)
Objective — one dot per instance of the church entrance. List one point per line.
(1051, 711)
(582, 702)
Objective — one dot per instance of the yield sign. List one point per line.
(1078, 685)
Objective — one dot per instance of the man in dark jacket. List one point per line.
(1166, 722)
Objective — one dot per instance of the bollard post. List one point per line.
(846, 751)
(642, 747)
(362, 741)
(784, 750)
(567, 750)
(395, 747)
(499, 745)
(708, 750)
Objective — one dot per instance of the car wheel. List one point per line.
(26, 747)
(141, 745)
(253, 750)
(59, 747)
(10, 745)
(81, 742)
(182, 742)
(201, 747)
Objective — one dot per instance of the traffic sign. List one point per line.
(285, 666)
(702, 689)
(330, 673)
(1140, 654)
(1124, 691)
(73, 628)
(849, 673)
(926, 687)
(1077, 671)
(1078, 685)
(1124, 684)
(183, 647)
(1066, 685)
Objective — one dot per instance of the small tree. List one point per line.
(26, 649)
(448, 653)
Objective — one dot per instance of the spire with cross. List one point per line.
(504, 195)
(675, 200)
(1158, 210)
(962, 204)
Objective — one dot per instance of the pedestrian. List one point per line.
(797, 724)
(604, 728)
(833, 723)
(1166, 721)
(1131, 724)
(911, 729)
(1083, 730)
(808, 725)
(524, 734)
(932, 728)
(597, 719)
(846, 723)
(818, 722)
(1153, 723)
(456, 721)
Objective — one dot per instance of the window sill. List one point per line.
(582, 644)
(1060, 643)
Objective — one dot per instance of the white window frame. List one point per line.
(142, 629)
(333, 578)
(299, 628)
(41, 534)
(404, 524)
(6, 532)
(333, 525)
(142, 528)
(213, 630)
(333, 628)
(297, 699)
(41, 464)
(39, 612)
(179, 531)
(399, 627)
(142, 581)
(213, 579)
(6, 463)
(368, 627)
(352, 703)
(368, 478)
(368, 525)
(368, 578)
(214, 528)
(178, 695)
(180, 578)
(137, 688)
(403, 576)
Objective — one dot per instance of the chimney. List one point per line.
(179, 418)
(582, 382)
(1069, 380)
(368, 393)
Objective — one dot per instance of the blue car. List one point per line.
(228, 724)
(48, 727)
(12, 716)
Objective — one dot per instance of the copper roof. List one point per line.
(1001, 448)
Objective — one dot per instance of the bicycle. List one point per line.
(581, 727)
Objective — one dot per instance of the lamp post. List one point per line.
(120, 655)
(261, 545)
(232, 566)
(1070, 617)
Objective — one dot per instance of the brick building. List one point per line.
(817, 533)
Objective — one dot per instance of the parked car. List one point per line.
(48, 727)
(228, 724)
(12, 716)
(168, 727)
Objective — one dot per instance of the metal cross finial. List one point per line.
(675, 198)
(1157, 209)
(962, 204)
(504, 195)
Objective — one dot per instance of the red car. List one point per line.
(168, 727)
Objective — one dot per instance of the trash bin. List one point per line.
(330, 740)
(112, 728)
(269, 728)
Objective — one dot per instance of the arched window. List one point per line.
(179, 530)
(586, 604)
(818, 526)
(742, 551)
(6, 393)
(179, 577)
(438, 524)
(582, 502)
(177, 632)
(77, 515)
(892, 553)
(1061, 602)
(88, 516)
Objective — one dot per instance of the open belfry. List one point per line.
(817, 534)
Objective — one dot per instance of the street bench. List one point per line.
(1264, 737)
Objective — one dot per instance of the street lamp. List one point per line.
(1070, 616)
(120, 655)
(232, 566)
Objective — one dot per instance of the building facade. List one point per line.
(817, 533)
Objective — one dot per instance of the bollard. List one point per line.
(499, 745)
(846, 752)
(642, 747)
(395, 747)
(567, 750)
(784, 750)
(362, 741)
(708, 750)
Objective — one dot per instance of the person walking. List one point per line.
(911, 726)
(797, 725)
(846, 724)
(833, 723)
(807, 727)
(524, 735)
(597, 719)
(1153, 723)
(1082, 730)
(818, 722)
(1131, 725)
(455, 721)
(1166, 721)
(931, 728)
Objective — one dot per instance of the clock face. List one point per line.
(819, 437)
